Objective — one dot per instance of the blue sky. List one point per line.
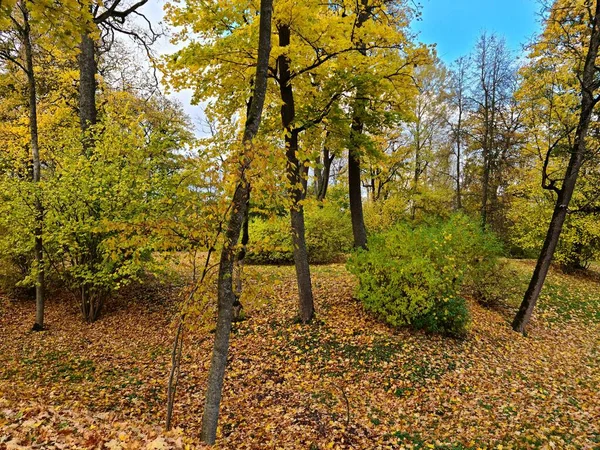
(454, 25)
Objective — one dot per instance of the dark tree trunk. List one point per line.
(296, 173)
(226, 294)
(354, 184)
(37, 167)
(588, 86)
(458, 154)
(354, 192)
(325, 173)
(297, 179)
(238, 269)
(92, 301)
(87, 82)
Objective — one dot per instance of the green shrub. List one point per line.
(449, 317)
(328, 236)
(493, 284)
(414, 275)
(382, 215)
(270, 241)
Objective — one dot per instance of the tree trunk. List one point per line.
(87, 82)
(565, 193)
(354, 185)
(37, 167)
(226, 294)
(296, 173)
(298, 189)
(458, 156)
(485, 187)
(238, 266)
(354, 192)
(318, 176)
(324, 174)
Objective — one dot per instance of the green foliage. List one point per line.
(424, 205)
(449, 317)
(530, 214)
(413, 275)
(493, 284)
(104, 209)
(107, 209)
(328, 236)
(382, 215)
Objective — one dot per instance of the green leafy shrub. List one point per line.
(449, 317)
(328, 236)
(492, 284)
(414, 275)
(382, 215)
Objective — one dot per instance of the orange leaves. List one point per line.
(344, 381)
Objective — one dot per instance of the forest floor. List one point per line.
(344, 381)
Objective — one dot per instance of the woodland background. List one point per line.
(337, 264)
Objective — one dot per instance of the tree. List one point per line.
(368, 107)
(109, 18)
(575, 25)
(494, 73)
(315, 67)
(18, 16)
(226, 294)
(458, 100)
(426, 136)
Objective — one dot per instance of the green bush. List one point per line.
(449, 317)
(493, 284)
(328, 236)
(414, 275)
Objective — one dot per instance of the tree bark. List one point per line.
(354, 191)
(324, 173)
(226, 294)
(588, 86)
(458, 137)
(354, 185)
(297, 179)
(87, 87)
(37, 167)
(296, 174)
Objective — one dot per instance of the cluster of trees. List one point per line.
(96, 167)
(99, 172)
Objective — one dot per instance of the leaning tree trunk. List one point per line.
(35, 153)
(296, 173)
(588, 85)
(226, 293)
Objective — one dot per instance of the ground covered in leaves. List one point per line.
(344, 381)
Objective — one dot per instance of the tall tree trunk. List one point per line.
(226, 293)
(588, 85)
(458, 156)
(87, 87)
(359, 230)
(318, 176)
(87, 81)
(37, 167)
(354, 184)
(296, 173)
(297, 180)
